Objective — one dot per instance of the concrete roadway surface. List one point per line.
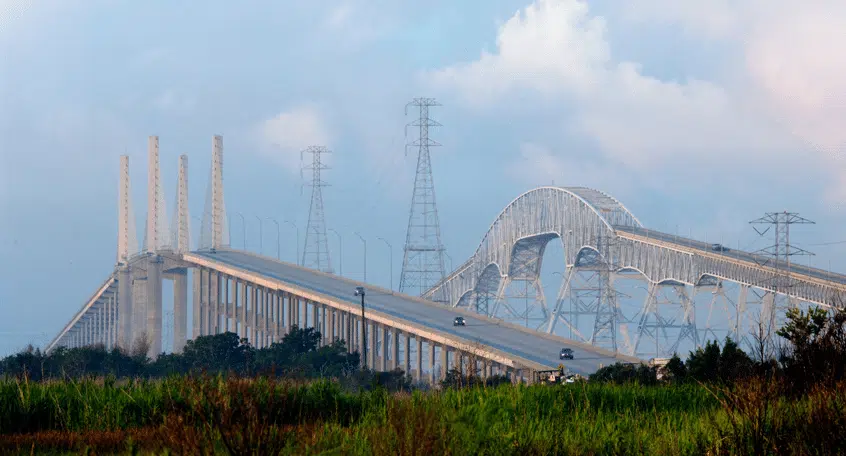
(732, 253)
(480, 329)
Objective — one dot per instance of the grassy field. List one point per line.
(238, 416)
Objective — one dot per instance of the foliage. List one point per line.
(297, 355)
(817, 351)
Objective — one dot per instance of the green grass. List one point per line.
(321, 418)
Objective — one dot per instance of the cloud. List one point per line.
(553, 47)
(792, 57)
(556, 55)
(284, 136)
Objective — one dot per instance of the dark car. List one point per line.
(566, 353)
(719, 248)
(459, 321)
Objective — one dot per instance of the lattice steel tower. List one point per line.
(423, 260)
(779, 258)
(316, 248)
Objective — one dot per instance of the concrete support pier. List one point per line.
(154, 305)
(180, 309)
(124, 333)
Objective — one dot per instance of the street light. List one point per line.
(243, 228)
(340, 253)
(298, 239)
(392, 261)
(261, 236)
(450, 260)
(278, 232)
(359, 291)
(365, 255)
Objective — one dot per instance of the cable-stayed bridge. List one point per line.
(262, 298)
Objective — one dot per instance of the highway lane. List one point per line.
(479, 329)
(732, 253)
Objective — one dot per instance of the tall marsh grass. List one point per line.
(265, 416)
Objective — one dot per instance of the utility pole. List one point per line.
(316, 248)
(423, 260)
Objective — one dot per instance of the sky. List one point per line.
(698, 116)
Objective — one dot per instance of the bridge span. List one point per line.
(262, 298)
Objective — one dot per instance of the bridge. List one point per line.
(262, 298)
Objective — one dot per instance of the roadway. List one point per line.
(732, 253)
(487, 331)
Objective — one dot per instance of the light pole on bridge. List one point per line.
(340, 253)
(243, 230)
(278, 233)
(391, 250)
(365, 255)
(261, 236)
(298, 240)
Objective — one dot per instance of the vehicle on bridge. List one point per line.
(459, 321)
(719, 248)
(566, 353)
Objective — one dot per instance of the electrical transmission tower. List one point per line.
(316, 248)
(423, 259)
(778, 257)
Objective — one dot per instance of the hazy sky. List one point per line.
(700, 115)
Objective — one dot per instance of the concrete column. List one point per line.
(407, 367)
(395, 337)
(371, 340)
(101, 324)
(242, 308)
(124, 307)
(254, 319)
(196, 324)
(282, 315)
(419, 374)
(385, 335)
(318, 321)
(214, 301)
(332, 321)
(228, 311)
(350, 334)
(444, 361)
(204, 302)
(257, 317)
(107, 324)
(432, 378)
(154, 305)
(180, 310)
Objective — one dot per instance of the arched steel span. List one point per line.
(581, 217)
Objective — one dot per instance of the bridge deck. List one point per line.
(690, 244)
(542, 349)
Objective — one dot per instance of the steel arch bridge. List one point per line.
(602, 237)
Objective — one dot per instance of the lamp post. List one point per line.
(391, 249)
(359, 291)
(365, 255)
(243, 229)
(278, 236)
(340, 253)
(261, 236)
(298, 239)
